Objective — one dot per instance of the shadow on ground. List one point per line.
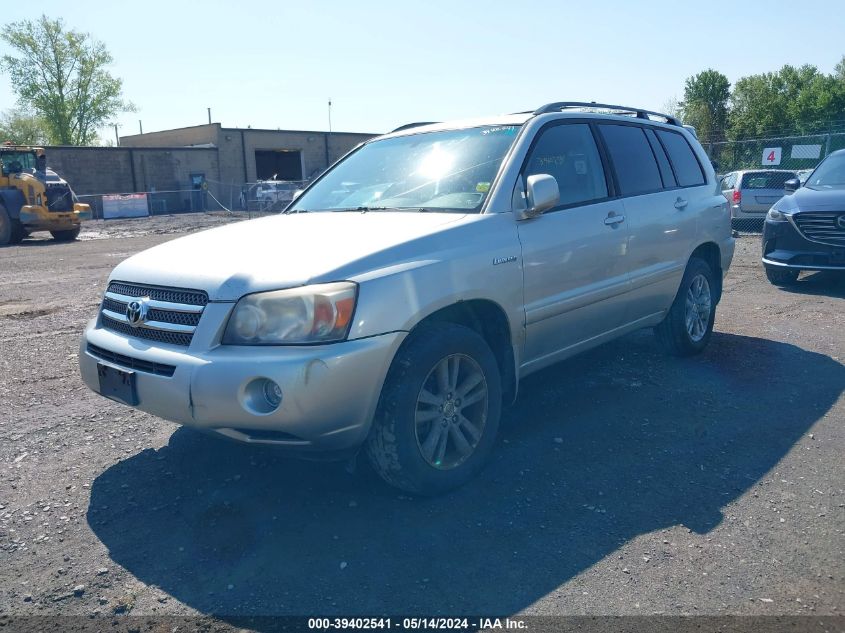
(615, 443)
(827, 283)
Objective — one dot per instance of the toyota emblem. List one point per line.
(136, 312)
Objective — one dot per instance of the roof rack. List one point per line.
(618, 109)
(408, 126)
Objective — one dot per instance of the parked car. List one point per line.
(401, 298)
(268, 195)
(806, 230)
(276, 193)
(752, 192)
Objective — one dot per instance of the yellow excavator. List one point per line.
(34, 198)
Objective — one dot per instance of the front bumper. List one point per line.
(36, 218)
(329, 392)
(785, 247)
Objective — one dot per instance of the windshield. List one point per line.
(433, 171)
(830, 174)
(14, 162)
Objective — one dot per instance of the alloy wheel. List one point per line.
(451, 411)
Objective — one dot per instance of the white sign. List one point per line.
(806, 151)
(133, 205)
(771, 156)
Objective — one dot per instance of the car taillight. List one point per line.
(737, 197)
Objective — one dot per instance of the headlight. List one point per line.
(775, 216)
(312, 314)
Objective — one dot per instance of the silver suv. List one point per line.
(752, 192)
(399, 300)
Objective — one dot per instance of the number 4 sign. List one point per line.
(771, 156)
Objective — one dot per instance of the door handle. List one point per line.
(613, 219)
(680, 203)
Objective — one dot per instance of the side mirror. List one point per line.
(543, 194)
(792, 185)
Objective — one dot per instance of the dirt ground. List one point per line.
(624, 482)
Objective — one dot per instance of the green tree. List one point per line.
(839, 69)
(705, 104)
(61, 75)
(790, 101)
(22, 128)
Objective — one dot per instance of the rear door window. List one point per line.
(633, 160)
(687, 168)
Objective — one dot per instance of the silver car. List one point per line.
(752, 192)
(398, 301)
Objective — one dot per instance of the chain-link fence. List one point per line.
(271, 196)
(753, 172)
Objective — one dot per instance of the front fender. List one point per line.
(485, 263)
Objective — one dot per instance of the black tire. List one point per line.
(781, 276)
(6, 227)
(65, 236)
(673, 333)
(393, 446)
(18, 232)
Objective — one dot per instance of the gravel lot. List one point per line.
(625, 482)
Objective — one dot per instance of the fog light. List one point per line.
(261, 396)
(272, 393)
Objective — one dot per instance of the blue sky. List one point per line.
(274, 65)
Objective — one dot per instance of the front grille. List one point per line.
(823, 227)
(164, 316)
(159, 336)
(59, 198)
(159, 369)
(172, 313)
(170, 295)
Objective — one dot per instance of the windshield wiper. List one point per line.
(365, 209)
(417, 209)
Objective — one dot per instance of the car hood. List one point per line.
(806, 199)
(282, 251)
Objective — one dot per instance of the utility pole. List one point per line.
(116, 137)
(209, 116)
(140, 127)
(328, 134)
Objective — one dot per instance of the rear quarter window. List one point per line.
(687, 168)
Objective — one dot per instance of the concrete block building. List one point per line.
(248, 155)
(199, 167)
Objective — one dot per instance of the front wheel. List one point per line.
(781, 276)
(688, 325)
(65, 236)
(439, 410)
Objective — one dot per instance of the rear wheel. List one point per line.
(6, 227)
(439, 411)
(781, 276)
(687, 328)
(65, 236)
